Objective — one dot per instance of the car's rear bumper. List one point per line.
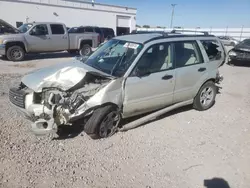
(2, 49)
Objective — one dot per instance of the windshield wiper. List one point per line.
(118, 62)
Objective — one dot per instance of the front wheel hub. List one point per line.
(109, 125)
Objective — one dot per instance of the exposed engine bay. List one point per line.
(53, 107)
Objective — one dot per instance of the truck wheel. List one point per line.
(15, 53)
(85, 50)
(103, 123)
(205, 98)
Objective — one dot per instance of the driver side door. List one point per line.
(151, 84)
(38, 39)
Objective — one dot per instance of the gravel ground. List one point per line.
(182, 149)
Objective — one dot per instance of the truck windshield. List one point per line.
(24, 28)
(114, 57)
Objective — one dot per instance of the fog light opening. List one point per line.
(45, 125)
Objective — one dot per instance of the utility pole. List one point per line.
(172, 17)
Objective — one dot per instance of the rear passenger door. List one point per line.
(59, 37)
(191, 70)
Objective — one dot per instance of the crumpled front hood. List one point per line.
(63, 76)
(6, 28)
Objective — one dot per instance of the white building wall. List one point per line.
(69, 12)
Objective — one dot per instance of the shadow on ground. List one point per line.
(66, 132)
(70, 131)
(39, 56)
(30, 57)
(216, 183)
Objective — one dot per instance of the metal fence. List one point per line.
(237, 33)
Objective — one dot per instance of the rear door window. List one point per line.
(57, 29)
(213, 49)
(187, 53)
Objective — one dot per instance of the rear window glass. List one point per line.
(213, 49)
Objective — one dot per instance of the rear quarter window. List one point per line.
(213, 49)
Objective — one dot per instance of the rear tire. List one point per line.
(85, 50)
(205, 98)
(15, 53)
(103, 123)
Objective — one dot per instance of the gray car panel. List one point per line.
(131, 93)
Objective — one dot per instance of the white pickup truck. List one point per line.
(45, 37)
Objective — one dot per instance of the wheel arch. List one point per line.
(90, 111)
(85, 41)
(16, 43)
(208, 80)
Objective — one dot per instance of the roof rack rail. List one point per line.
(165, 34)
(183, 30)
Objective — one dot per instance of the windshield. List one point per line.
(73, 30)
(24, 28)
(246, 42)
(114, 57)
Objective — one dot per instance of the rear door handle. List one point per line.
(202, 69)
(167, 77)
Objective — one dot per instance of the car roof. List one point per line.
(139, 38)
(146, 37)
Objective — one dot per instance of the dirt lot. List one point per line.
(182, 149)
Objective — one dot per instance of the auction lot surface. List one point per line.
(182, 149)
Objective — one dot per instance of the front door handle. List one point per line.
(202, 69)
(167, 77)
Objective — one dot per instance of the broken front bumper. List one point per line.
(33, 112)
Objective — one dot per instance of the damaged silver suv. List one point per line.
(127, 76)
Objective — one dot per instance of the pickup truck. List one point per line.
(45, 37)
